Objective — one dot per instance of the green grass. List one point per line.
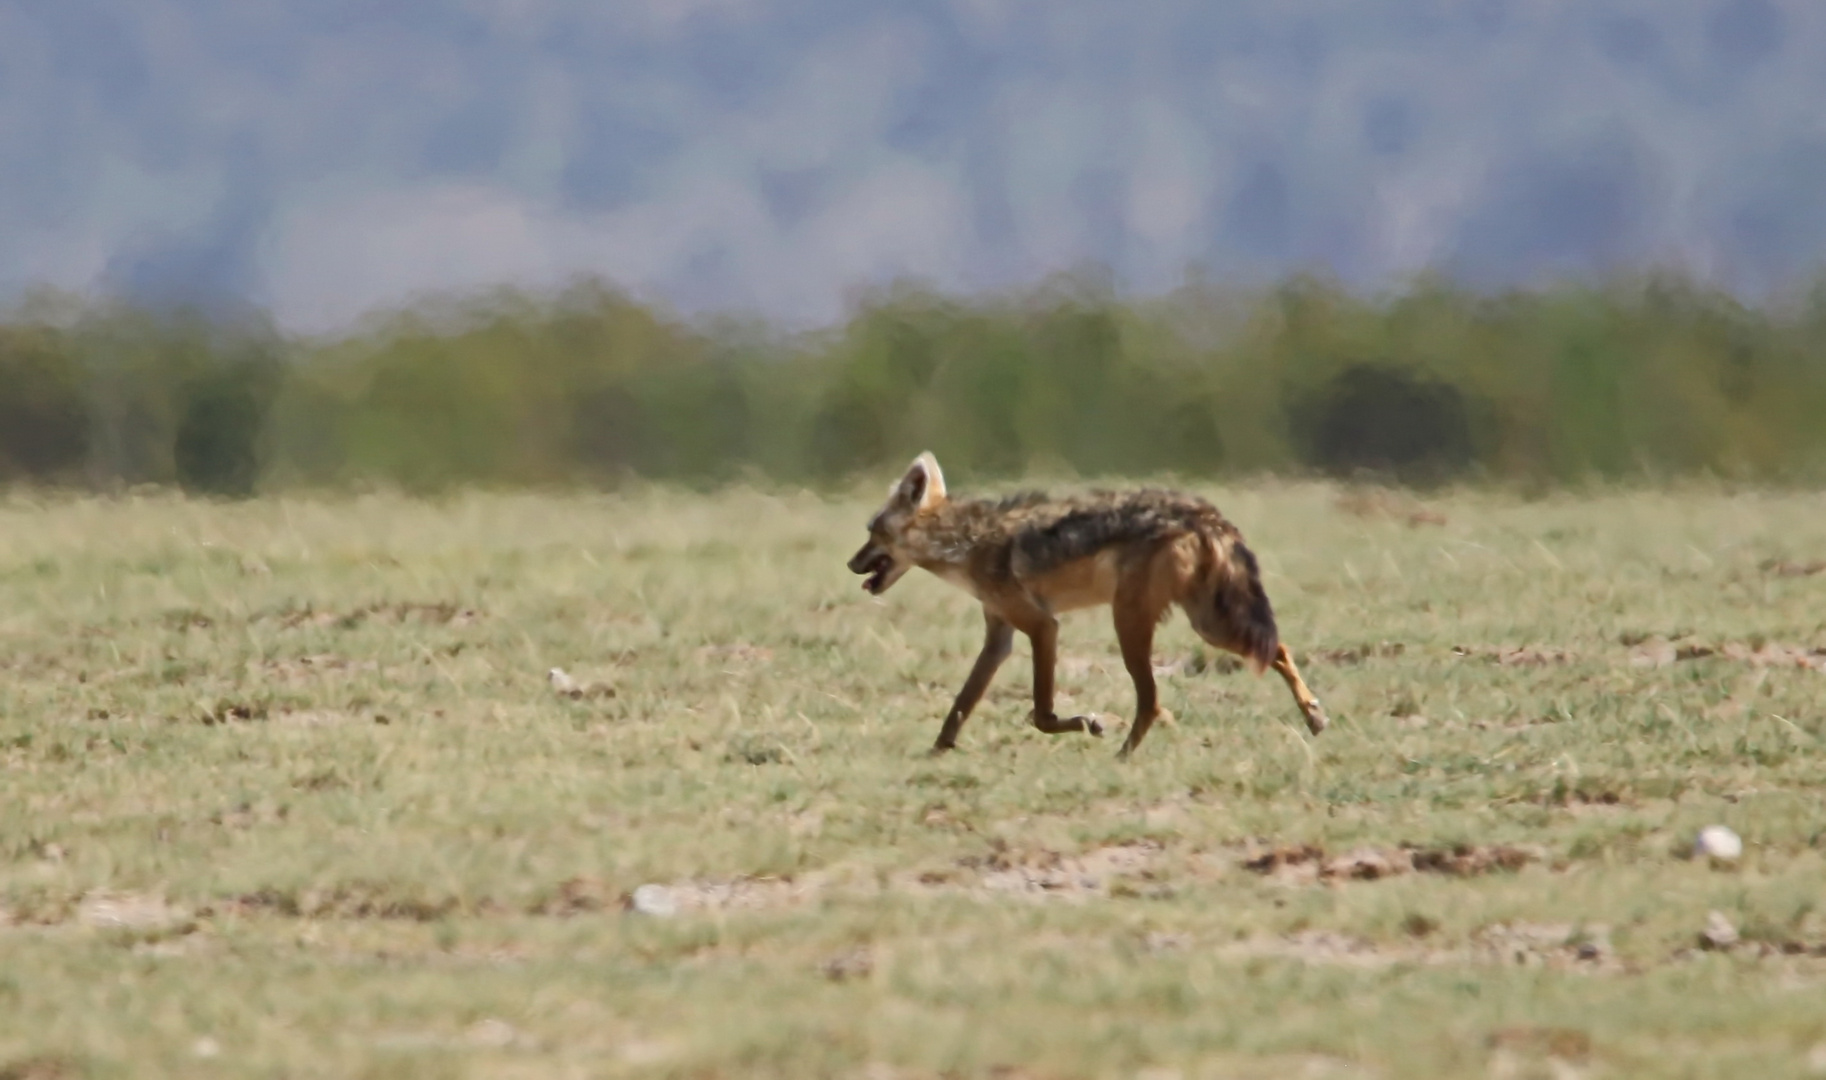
(284, 791)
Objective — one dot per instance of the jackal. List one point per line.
(1029, 558)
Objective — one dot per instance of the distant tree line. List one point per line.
(1645, 377)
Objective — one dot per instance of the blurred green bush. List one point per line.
(1637, 378)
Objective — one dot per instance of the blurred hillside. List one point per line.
(327, 159)
(1636, 378)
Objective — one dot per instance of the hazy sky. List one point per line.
(325, 157)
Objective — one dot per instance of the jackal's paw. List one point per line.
(1316, 720)
(1053, 724)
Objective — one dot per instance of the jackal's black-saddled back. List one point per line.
(1050, 532)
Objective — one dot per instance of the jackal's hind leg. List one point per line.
(1043, 631)
(1136, 619)
(1316, 720)
(1065, 725)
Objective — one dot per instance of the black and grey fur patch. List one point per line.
(1032, 532)
(1070, 529)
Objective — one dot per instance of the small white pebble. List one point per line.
(655, 900)
(1719, 933)
(492, 1033)
(1718, 842)
(561, 680)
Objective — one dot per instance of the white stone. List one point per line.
(1719, 932)
(1718, 842)
(655, 900)
(492, 1033)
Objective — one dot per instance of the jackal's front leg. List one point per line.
(1043, 631)
(998, 642)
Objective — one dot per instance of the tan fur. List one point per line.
(1029, 558)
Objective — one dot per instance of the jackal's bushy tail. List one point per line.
(1235, 613)
(1244, 605)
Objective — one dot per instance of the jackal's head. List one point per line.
(885, 557)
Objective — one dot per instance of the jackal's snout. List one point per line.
(875, 561)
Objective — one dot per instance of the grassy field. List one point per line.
(286, 792)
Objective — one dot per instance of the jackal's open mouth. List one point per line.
(877, 569)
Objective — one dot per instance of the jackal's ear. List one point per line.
(935, 480)
(924, 484)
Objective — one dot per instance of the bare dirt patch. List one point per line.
(1118, 870)
(427, 613)
(745, 894)
(1787, 568)
(1559, 946)
(1321, 947)
(345, 901)
(327, 717)
(1556, 945)
(1656, 652)
(129, 911)
(141, 916)
(1357, 654)
(1581, 948)
(584, 895)
(1301, 864)
(1193, 663)
(302, 669)
(1516, 656)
